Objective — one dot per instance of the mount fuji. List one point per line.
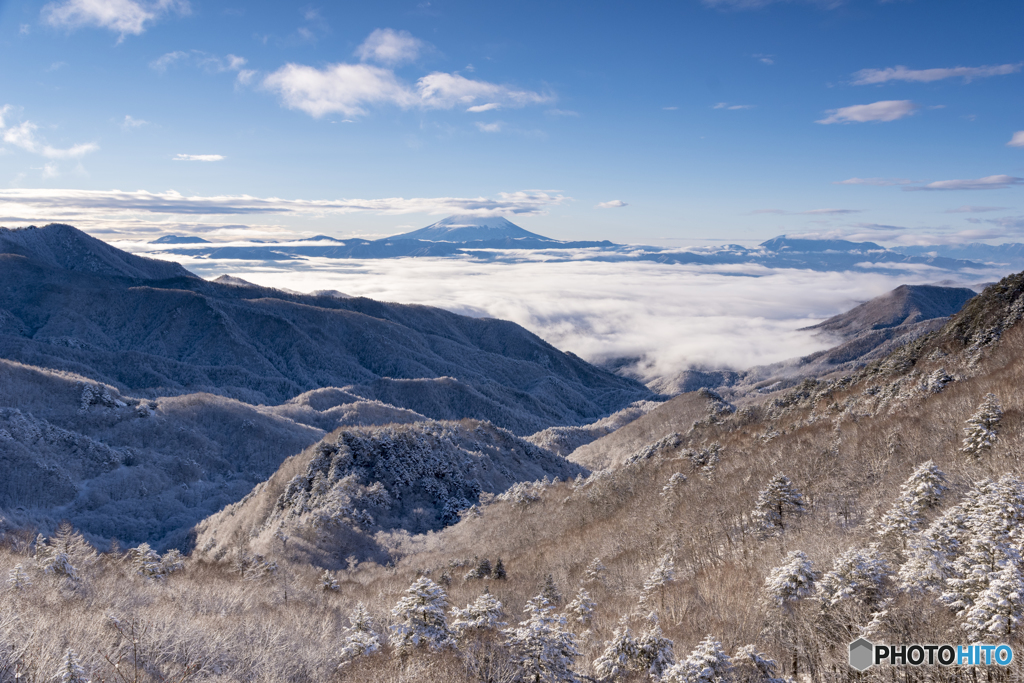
(470, 229)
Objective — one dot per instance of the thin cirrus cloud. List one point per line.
(1017, 140)
(125, 17)
(490, 127)
(199, 157)
(350, 89)
(206, 61)
(886, 110)
(732, 107)
(992, 182)
(613, 204)
(23, 136)
(93, 204)
(902, 73)
(975, 209)
(390, 47)
(809, 212)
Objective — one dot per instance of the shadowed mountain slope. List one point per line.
(99, 313)
(905, 305)
(469, 229)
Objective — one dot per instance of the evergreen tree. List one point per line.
(18, 579)
(421, 617)
(499, 571)
(708, 663)
(981, 430)
(482, 615)
(620, 655)
(857, 575)
(595, 571)
(70, 670)
(921, 492)
(360, 638)
(999, 610)
(776, 502)
(550, 590)
(328, 582)
(791, 582)
(663, 575)
(654, 651)
(581, 608)
(145, 561)
(751, 666)
(544, 649)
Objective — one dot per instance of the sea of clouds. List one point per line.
(671, 316)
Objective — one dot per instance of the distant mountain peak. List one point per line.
(179, 239)
(467, 228)
(797, 244)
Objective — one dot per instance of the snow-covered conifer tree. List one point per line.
(595, 571)
(550, 590)
(791, 582)
(329, 582)
(708, 663)
(146, 562)
(619, 658)
(752, 666)
(18, 579)
(663, 575)
(544, 648)
(999, 610)
(981, 430)
(360, 638)
(921, 492)
(482, 615)
(858, 575)
(654, 651)
(581, 608)
(421, 617)
(70, 670)
(775, 503)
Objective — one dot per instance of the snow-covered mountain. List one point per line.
(470, 229)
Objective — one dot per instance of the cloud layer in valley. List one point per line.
(672, 316)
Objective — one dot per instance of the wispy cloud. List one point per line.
(992, 182)
(389, 47)
(130, 122)
(213, 64)
(733, 107)
(350, 89)
(810, 212)
(199, 157)
(125, 17)
(975, 209)
(23, 136)
(489, 127)
(902, 73)
(886, 110)
(480, 108)
(613, 204)
(1017, 140)
(765, 59)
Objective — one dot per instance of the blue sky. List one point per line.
(718, 120)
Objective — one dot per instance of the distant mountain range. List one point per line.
(496, 238)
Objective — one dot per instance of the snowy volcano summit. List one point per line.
(470, 229)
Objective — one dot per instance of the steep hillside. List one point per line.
(327, 503)
(185, 335)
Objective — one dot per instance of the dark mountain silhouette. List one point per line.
(150, 328)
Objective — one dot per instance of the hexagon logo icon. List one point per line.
(862, 653)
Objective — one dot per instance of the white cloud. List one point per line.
(810, 212)
(902, 73)
(874, 181)
(1017, 140)
(343, 88)
(161, 63)
(480, 108)
(670, 108)
(992, 182)
(350, 88)
(562, 112)
(121, 16)
(886, 110)
(390, 47)
(24, 136)
(50, 170)
(3, 112)
(765, 59)
(130, 122)
(140, 210)
(613, 204)
(199, 157)
(975, 209)
(490, 127)
(733, 107)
